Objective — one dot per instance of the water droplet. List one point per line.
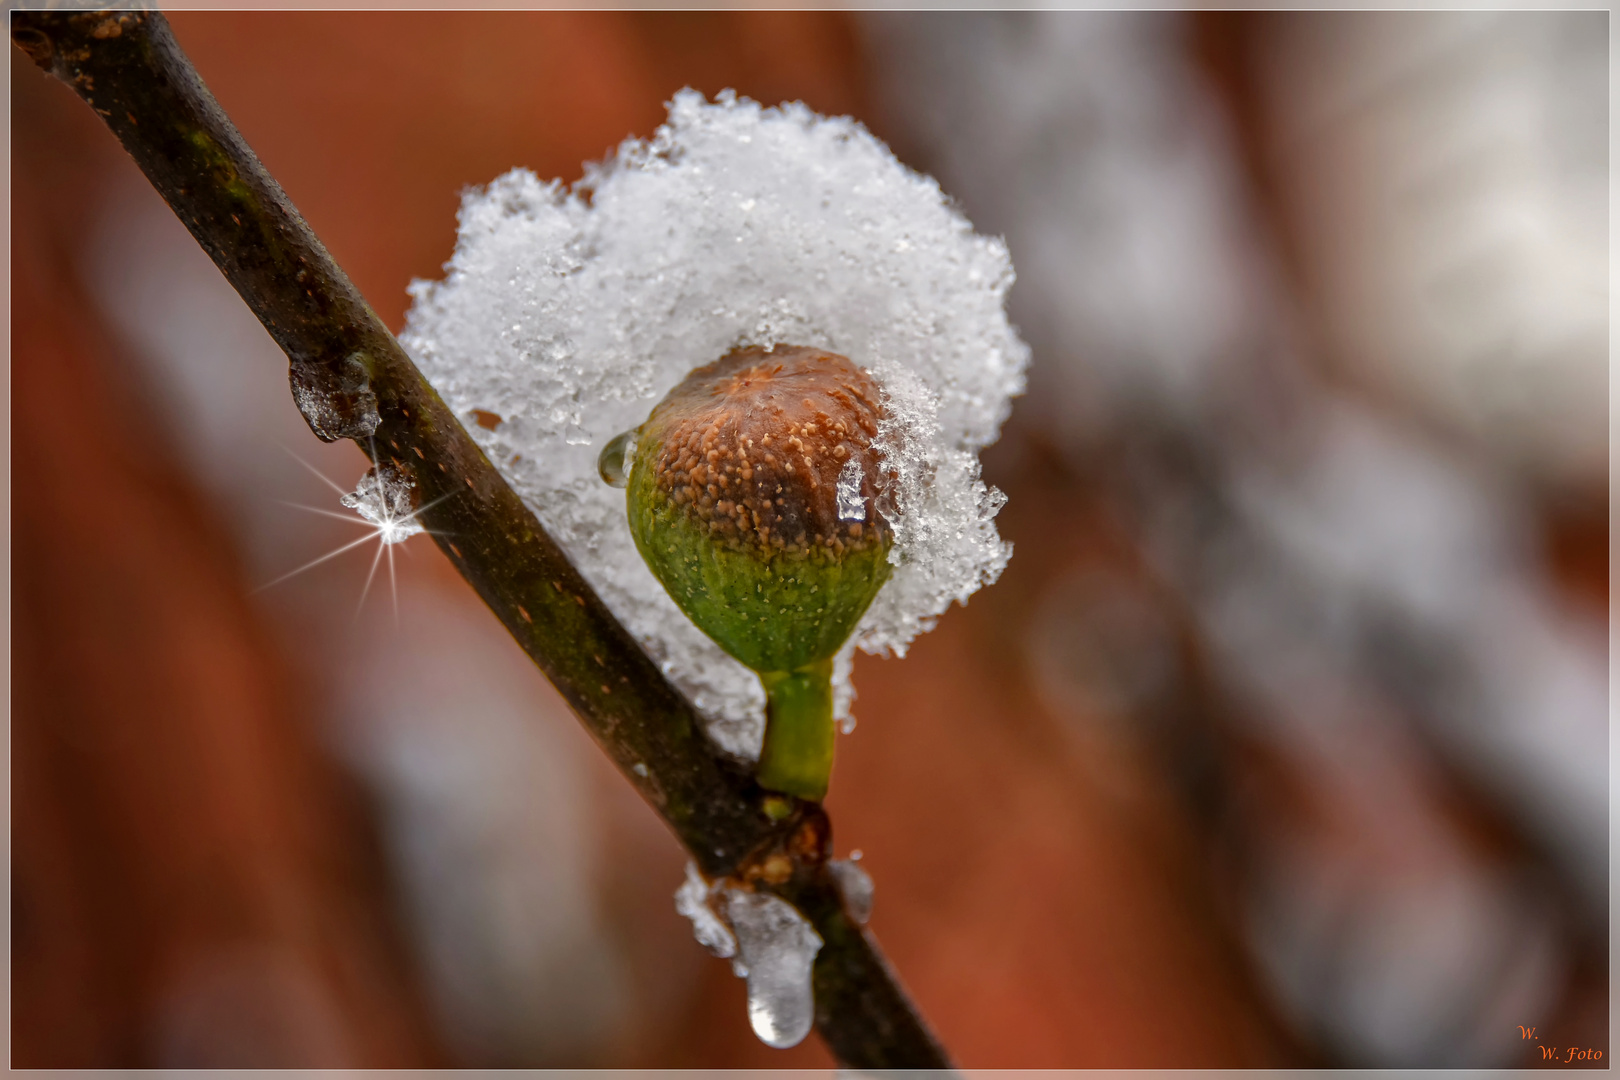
(336, 404)
(778, 948)
(855, 885)
(614, 462)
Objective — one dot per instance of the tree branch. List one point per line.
(351, 379)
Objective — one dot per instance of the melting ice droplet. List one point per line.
(336, 405)
(614, 461)
(851, 504)
(773, 947)
(855, 884)
(778, 947)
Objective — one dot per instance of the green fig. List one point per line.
(751, 491)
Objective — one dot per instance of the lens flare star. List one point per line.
(381, 501)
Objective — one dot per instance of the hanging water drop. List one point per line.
(778, 948)
(614, 462)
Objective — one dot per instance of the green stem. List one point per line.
(798, 753)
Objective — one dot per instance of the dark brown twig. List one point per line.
(352, 380)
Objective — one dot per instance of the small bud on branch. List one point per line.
(735, 502)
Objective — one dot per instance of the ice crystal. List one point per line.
(383, 497)
(851, 503)
(777, 947)
(855, 885)
(336, 405)
(768, 942)
(694, 900)
(568, 312)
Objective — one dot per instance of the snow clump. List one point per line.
(692, 900)
(568, 312)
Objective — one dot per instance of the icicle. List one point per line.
(778, 947)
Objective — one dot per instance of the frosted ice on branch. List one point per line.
(777, 947)
(854, 885)
(769, 943)
(694, 900)
(567, 313)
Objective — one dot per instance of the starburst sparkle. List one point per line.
(381, 501)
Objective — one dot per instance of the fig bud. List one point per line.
(751, 494)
